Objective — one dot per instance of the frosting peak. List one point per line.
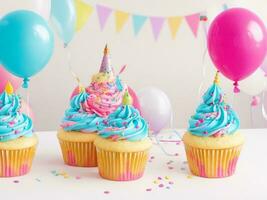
(125, 124)
(213, 117)
(13, 124)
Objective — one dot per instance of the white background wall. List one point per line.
(175, 66)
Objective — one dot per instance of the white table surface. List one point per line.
(249, 181)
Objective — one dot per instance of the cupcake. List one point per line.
(88, 114)
(123, 146)
(213, 142)
(17, 141)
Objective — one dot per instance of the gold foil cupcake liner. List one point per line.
(212, 163)
(121, 166)
(16, 162)
(80, 154)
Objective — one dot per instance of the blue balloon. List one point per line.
(26, 43)
(63, 17)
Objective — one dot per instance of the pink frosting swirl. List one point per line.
(104, 98)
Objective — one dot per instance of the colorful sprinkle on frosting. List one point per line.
(214, 117)
(125, 123)
(106, 90)
(13, 124)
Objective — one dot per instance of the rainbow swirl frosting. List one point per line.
(77, 119)
(125, 123)
(13, 124)
(106, 94)
(214, 117)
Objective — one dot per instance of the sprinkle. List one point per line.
(106, 192)
(37, 179)
(189, 176)
(78, 177)
(152, 157)
(168, 187)
(159, 178)
(185, 162)
(182, 168)
(149, 189)
(155, 182)
(16, 181)
(170, 167)
(171, 183)
(161, 185)
(176, 154)
(167, 178)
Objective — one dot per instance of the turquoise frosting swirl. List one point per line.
(213, 117)
(76, 119)
(125, 124)
(13, 124)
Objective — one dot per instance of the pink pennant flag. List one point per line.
(157, 24)
(103, 13)
(193, 22)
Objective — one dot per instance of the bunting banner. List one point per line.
(121, 18)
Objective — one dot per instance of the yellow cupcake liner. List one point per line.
(16, 162)
(121, 166)
(212, 163)
(80, 154)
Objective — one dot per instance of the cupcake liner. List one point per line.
(212, 163)
(16, 162)
(80, 154)
(121, 166)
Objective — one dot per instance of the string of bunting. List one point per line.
(85, 10)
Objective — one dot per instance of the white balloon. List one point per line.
(155, 107)
(254, 84)
(41, 7)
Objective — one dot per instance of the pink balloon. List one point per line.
(237, 43)
(5, 76)
(136, 103)
(155, 108)
(74, 92)
(26, 109)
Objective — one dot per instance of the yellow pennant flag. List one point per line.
(120, 19)
(174, 24)
(83, 12)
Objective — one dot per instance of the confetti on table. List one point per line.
(38, 180)
(182, 168)
(16, 181)
(189, 176)
(78, 177)
(106, 192)
(161, 182)
(170, 167)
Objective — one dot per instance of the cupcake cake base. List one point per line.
(78, 148)
(213, 157)
(122, 160)
(16, 156)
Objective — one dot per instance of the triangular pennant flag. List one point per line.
(103, 13)
(120, 19)
(83, 12)
(157, 24)
(174, 24)
(138, 22)
(193, 22)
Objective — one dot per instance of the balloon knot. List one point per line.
(236, 88)
(25, 83)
